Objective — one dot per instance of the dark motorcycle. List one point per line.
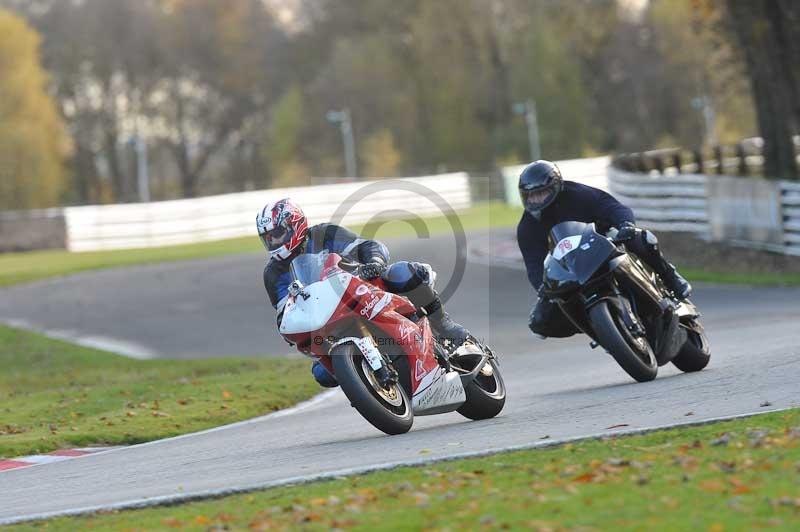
(612, 296)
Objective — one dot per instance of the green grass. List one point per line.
(24, 267)
(753, 279)
(55, 395)
(737, 475)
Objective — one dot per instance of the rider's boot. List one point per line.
(446, 330)
(675, 282)
(646, 246)
(444, 327)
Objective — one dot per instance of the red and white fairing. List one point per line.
(311, 321)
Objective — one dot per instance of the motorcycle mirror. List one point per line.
(296, 289)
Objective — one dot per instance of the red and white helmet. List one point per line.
(282, 227)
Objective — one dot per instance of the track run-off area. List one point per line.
(557, 389)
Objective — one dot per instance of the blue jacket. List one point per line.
(333, 238)
(575, 203)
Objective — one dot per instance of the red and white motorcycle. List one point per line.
(383, 354)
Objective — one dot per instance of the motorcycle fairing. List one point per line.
(438, 392)
(352, 297)
(307, 314)
(578, 252)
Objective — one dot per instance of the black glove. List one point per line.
(371, 270)
(625, 232)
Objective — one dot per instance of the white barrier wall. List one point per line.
(139, 225)
(666, 203)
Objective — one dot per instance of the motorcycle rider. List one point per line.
(549, 200)
(283, 229)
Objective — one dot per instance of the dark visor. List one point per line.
(537, 199)
(276, 238)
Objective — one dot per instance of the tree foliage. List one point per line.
(32, 137)
(768, 32)
(234, 95)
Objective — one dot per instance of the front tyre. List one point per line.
(486, 394)
(696, 352)
(634, 355)
(387, 409)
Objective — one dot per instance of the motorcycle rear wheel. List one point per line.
(387, 409)
(486, 395)
(696, 352)
(615, 338)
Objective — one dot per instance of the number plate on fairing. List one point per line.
(566, 246)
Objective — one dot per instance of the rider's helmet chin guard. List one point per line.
(540, 183)
(282, 228)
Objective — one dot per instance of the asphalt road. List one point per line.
(556, 388)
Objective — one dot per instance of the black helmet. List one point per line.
(539, 184)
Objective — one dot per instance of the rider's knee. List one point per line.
(546, 319)
(404, 276)
(323, 376)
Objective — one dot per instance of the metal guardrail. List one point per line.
(669, 189)
(675, 204)
(790, 202)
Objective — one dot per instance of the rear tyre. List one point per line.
(486, 394)
(696, 352)
(634, 355)
(387, 409)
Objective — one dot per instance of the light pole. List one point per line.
(705, 105)
(342, 117)
(142, 175)
(528, 108)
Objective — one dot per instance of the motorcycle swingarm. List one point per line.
(468, 377)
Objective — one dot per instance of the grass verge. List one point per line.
(736, 475)
(751, 279)
(18, 268)
(55, 395)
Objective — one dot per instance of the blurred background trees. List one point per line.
(33, 142)
(233, 95)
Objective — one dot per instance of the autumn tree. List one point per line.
(768, 32)
(33, 142)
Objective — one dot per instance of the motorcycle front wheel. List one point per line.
(387, 408)
(634, 355)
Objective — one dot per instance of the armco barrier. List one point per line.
(678, 203)
(667, 203)
(138, 225)
(790, 200)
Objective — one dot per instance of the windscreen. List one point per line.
(566, 230)
(308, 267)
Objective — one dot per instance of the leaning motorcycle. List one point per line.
(382, 351)
(617, 300)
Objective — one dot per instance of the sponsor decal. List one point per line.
(362, 289)
(382, 303)
(369, 306)
(442, 391)
(419, 370)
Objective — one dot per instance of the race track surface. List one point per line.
(556, 388)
